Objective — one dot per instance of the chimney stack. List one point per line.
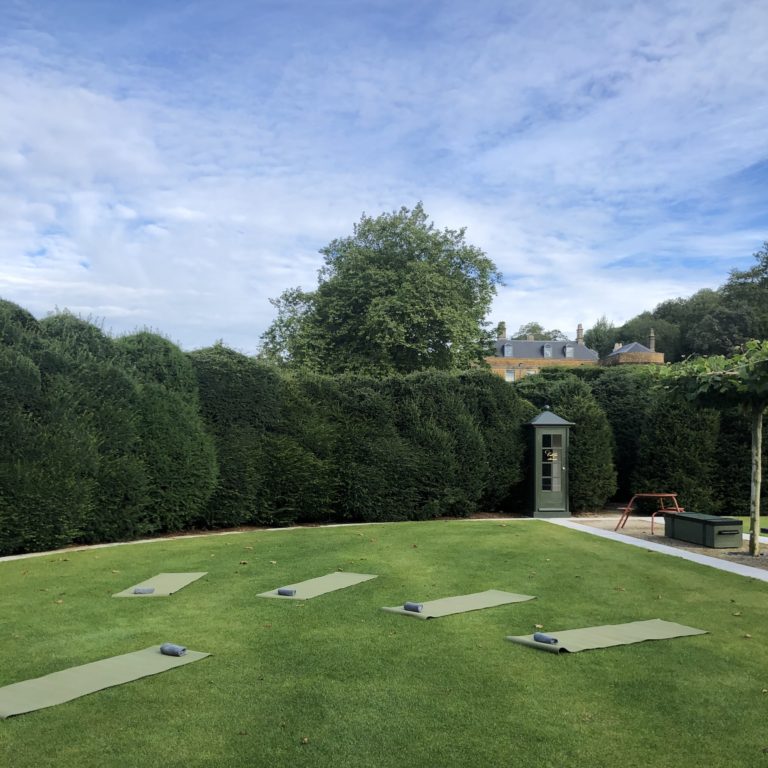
(501, 332)
(617, 345)
(652, 340)
(580, 334)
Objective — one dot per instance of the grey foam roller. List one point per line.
(171, 649)
(286, 592)
(540, 637)
(143, 590)
(415, 607)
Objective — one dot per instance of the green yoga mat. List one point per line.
(58, 687)
(319, 586)
(461, 604)
(164, 584)
(575, 640)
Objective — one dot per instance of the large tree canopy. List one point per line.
(397, 296)
(538, 332)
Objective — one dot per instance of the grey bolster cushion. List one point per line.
(171, 649)
(286, 592)
(415, 607)
(143, 590)
(540, 637)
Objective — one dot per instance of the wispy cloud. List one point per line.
(177, 165)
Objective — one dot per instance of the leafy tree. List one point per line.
(395, 297)
(720, 331)
(539, 333)
(601, 336)
(722, 382)
(746, 292)
(638, 329)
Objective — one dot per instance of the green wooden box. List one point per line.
(705, 530)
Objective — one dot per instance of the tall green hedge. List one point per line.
(104, 439)
(591, 474)
(240, 405)
(174, 444)
(625, 394)
(678, 452)
(96, 443)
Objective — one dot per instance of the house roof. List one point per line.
(520, 348)
(633, 347)
(548, 419)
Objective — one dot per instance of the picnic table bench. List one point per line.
(665, 503)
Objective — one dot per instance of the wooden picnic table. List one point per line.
(665, 503)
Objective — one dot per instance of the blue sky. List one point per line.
(173, 165)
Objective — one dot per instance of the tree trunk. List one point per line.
(757, 474)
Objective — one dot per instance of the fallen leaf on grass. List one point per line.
(747, 635)
(58, 602)
(243, 562)
(274, 562)
(305, 740)
(538, 626)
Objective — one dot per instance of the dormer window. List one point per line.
(547, 350)
(506, 350)
(568, 351)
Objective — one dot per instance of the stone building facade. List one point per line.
(516, 358)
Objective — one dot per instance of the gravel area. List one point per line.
(640, 528)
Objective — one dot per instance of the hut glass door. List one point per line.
(552, 488)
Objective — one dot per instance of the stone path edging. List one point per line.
(712, 562)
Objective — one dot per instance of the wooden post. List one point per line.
(754, 496)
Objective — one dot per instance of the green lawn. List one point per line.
(336, 682)
(763, 521)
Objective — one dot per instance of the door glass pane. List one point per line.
(551, 462)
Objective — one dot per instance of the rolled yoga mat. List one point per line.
(415, 607)
(305, 590)
(68, 684)
(162, 585)
(575, 640)
(540, 637)
(171, 649)
(460, 604)
(286, 592)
